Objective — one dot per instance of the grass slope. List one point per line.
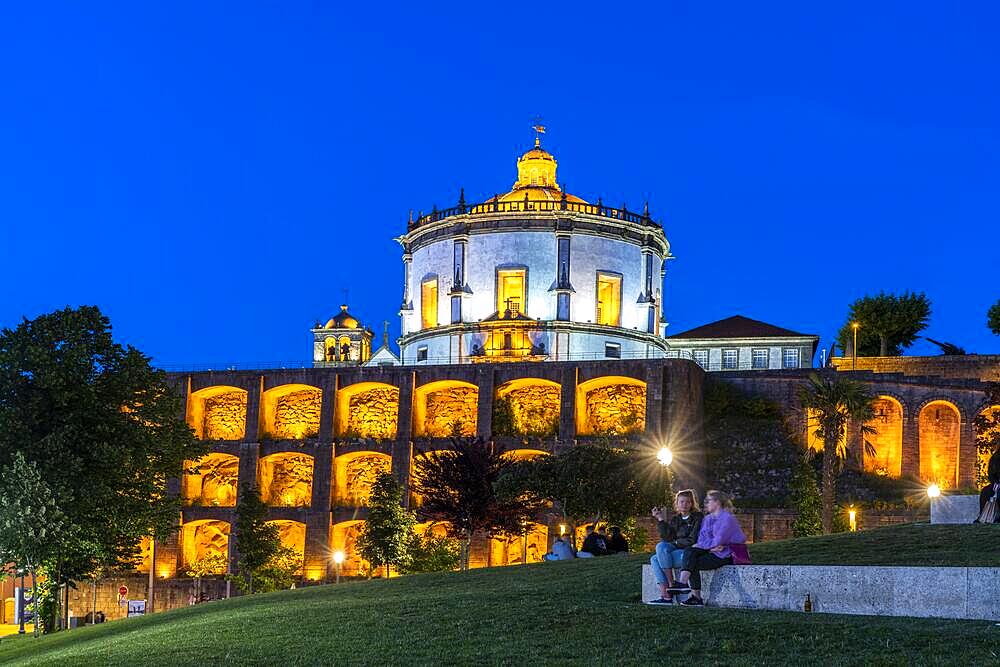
(582, 612)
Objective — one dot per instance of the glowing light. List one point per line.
(933, 491)
(852, 517)
(338, 557)
(562, 529)
(665, 456)
(164, 573)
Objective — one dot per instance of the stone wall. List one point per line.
(360, 473)
(985, 367)
(167, 593)
(296, 414)
(225, 416)
(616, 409)
(216, 481)
(286, 480)
(451, 412)
(373, 414)
(535, 408)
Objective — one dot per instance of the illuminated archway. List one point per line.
(939, 425)
(293, 536)
(368, 410)
(987, 428)
(519, 549)
(205, 541)
(887, 439)
(527, 406)
(285, 479)
(611, 405)
(354, 475)
(212, 481)
(344, 538)
(445, 408)
(218, 413)
(291, 411)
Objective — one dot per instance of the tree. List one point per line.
(257, 541)
(102, 427)
(386, 534)
(430, 553)
(993, 318)
(887, 323)
(460, 486)
(835, 400)
(987, 429)
(279, 572)
(805, 498)
(32, 525)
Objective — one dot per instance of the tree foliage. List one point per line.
(386, 534)
(460, 486)
(993, 318)
(430, 553)
(257, 541)
(279, 573)
(987, 429)
(806, 499)
(835, 400)
(102, 427)
(888, 323)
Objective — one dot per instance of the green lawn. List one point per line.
(909, 544)
(582, 612)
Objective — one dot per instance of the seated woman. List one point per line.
(990, 492)
(719, 530)
(676, 535)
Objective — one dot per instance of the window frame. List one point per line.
(753, 358)
(722, 360)
(620, 279)
(511, 268)
(785, 351)
(694, 358)
(614, 348)
(429, 280)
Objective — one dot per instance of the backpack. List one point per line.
(990, 512)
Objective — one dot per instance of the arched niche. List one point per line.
(445, 408)
(529, 547)
(203, 540)
(293, 536)
(291, 411)
(887, 439)
(368, 410)
(354, 475)
(344, 537)
(285, 479)
(218, 413)
(527, 407)
(211, 481)
(939, 424)
(611, 405)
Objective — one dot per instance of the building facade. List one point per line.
(740, 343)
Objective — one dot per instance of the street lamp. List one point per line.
(665, 456)
(854, 364)
(933, 491)
(338, 559)
(20, 597)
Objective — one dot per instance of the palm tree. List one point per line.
(835, 401)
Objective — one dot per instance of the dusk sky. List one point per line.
(214, 175)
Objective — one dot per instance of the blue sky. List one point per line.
(214, 175)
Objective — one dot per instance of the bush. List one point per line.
(430, 553)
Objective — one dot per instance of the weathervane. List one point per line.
(539, 130)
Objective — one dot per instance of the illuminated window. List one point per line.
(511, 290)
(429, 303)
(609, 298)
(790, 357)
(759, 359)
(730, 359)
(701, 358)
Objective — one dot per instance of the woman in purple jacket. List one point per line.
(719, 529)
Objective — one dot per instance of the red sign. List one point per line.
(123, 590)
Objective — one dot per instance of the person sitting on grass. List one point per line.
(617, 544)
(560, 550)
(719, 530)
(990, 492)
(593, 545)
(676, 535)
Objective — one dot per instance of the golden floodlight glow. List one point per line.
(852, 517)
(933, 491)
(562, 529)
(338, 557)
(665, 456)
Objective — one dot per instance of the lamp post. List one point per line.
(20, 597)
(854, 364)
(665, 456)
(338, 559)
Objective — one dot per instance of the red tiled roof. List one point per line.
(738, 326)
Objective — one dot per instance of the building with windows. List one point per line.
(536, 274)
(342, 341)
(739, 343)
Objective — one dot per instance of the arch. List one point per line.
(291, 411)
(611, 405)
(528, 547)
(211, 481)
(206, 541)
(285, 479)
(527, 406)
(293, 536)
(987, 432)
(939, 424)
(344, 537)
(330, 350)
(445, 408)
(368, 410)
(888, 437)
(218, 413)
(354, 475)
(344, 348)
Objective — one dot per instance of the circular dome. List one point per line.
(343, 320)
(536, 179)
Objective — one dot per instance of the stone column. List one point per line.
(328, 407)
(855, 446)
(402, 456)
(967, 454)
(404, 422)
(910, 458)
(249, 456)
(567, 406)
(484, 403)
(254, 390)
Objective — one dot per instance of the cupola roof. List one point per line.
(343, 320)
(536, 179)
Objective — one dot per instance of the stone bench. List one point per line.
(949, 592)
(954, 509)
